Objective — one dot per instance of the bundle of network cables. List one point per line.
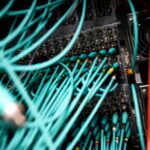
(42, 103)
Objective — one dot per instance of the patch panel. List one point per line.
(70, 73)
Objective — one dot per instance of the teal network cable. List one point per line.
(48, 106)
(28, 100)
(135, 99)
(123, 121)
(41, 84)
(52, 96)
(96, 134)
(108, 140)
(60, 91)
(80, 70)
(24, 40)
(59, 112)
(91, 115)
(32, 133)
(103, 123)
(9, 38)
(62, 98)
(69, 111)
(138, 117)
(88, 137)
(101, 89)
(24, 28)
(37, 8)
(118, 134)
(115, 118)
(53, 100)
(97, 141)
(74, 102)
(62, 19)
(108, 73)
(94, 75)
(60, 55)
(76, 66)
(6, 8)
(127, 136)
(40, 26)
(10, 30)
(92, 93)
(135, 33)
(104, 142)
(91, 145)
(40, 96)
(94, 65)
